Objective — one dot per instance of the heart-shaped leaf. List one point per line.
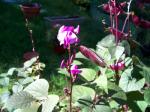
(20, 100)
(38, 89)
(49, 104)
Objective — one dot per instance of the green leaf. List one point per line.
(49, 104)
(88, 74)
(142, 105)
(4, 81)
(76, 62)
(109, 39)
(147, 96)
(17, 88)
(20, 100)
(63, 71)
(38, 88)
(80, 55)
(146, 73)
(30, 62)
(128, 61)
(80, 92)
(26, 80)
(11, 71)
(4, 97)
(128, 83)
(116, 93)
(33, 108)
(104, 53)
(119, 51)
(102, 108)
(126, 45)
(101, 82)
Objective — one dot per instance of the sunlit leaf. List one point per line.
(76, 62)
(11, 71)
(101, 82)
(128, 83)
(4, 81)
(38, 88)
(119, 51)
(81, 92)
(20, 100)
(30, 62)
(17, 88)
(49, 104)
(33, 108)
(142, 105)
(88, 74)
(109, 39)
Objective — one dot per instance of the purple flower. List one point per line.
(74, 70)
(67, 35)
(63, 64)
(118, 66)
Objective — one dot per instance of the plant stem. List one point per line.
(71, 85)
(71, 80)
(30, 34)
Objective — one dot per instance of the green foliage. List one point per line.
(88, 74)
(129, 83)
(80, 92)
(49, 104)
(38, 89)
(21, 99)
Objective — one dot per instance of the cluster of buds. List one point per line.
(140, 22)
(114, 8)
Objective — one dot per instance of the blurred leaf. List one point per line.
(20, 100)
(26, 80)
(49, 104)
(109, 39)
(76, 62)
(128, 83)
(30, 62)
(11, 71)
(102, 108)
(4, 97)
(81, 92)
(104, 53)
(4, 81)
(117, 94)
(119, 51)
(3, 74)
(38, 89)
(146, 73)
(135, 96)
(17, 88)
(88, 74)
(147, 96)
(80, 55)
(101, 82)
(126, 45)
(142, 105)
(128, 61)
(63, 71)
(33, 108)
